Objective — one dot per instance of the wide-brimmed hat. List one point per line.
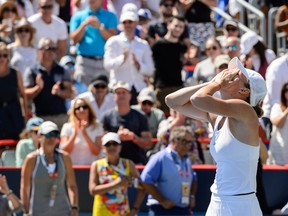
(257, 84)
(24, 23)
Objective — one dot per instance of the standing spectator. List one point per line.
(127, 57)
(23, 52)
(171, 196)
(81, 136)
(276, 76)
(110, 178)
(278, 148)
(146, 103)
(168, 67)
(48, 83)
(205, 70)
(50, 26)
(144, 16)
(68, 62)
(48, 184)
(11, 87)
(29, 140)
(232, 47)
(89, 30)
(252, 47)
(129, 124)
(158, 29)
(9, 202)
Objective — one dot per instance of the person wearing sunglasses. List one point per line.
(230, 29)
(110, 178)
(167, 195)
(11, 87)
(232, 47)
(48, 184)
(29, 140)
(81, 136)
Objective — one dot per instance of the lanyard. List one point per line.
(120, 170)
(178, 165)
(53, 175)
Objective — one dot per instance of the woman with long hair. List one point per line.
(81, 136)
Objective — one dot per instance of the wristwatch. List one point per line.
(101, 27)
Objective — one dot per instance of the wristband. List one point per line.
(8, 194)
(74, 207)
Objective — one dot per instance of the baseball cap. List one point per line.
(230, 22)
(67, 59)
(144, 12)
(129, 7)
(121, 84)
(34, 123)
(220, 60)
(110, 137)
(47, 127)
(129, 15)
(258, 87)
(147, 94)
(99, 79)
(248, 40)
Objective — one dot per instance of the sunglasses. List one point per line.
(185, 142)
(127, 22)
(3, 55)
(82, 106)
(231, 47)
(100, 86)
(211, 48)
(47, 7)
(231, 29)
(71, 67)
(147, 103)
(111, 143)
(7, 10)
(53, 134)
(168, 5)
(51, 49)
(23, 30)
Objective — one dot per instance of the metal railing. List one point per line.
(271, 27)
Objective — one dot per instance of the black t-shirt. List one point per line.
(168, 58)
(134, 121)
(198, 13)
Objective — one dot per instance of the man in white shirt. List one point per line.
(50, 26)
(127, 57)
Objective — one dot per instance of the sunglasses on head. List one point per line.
(23, 30)
(147, 103)
(13, 10)
(47, 7)
(168, 5)
(111, 143)
(3, 55)
(47, 48)
(231, 29)
(103, 86)
(82, 106)
(211, 48)
(231, 47)
(54, 134)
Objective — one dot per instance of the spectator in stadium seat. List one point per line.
(232, 47)
(230, 29)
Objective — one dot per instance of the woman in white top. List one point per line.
(278, 149)
(235, 142)
(22, 51)
(81, 136)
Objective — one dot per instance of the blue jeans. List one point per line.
(158, 210)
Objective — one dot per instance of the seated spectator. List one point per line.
(99, 95)
(221, 63)
(146, 103)
(278, 148)
(9, 202)
(81, 136)
(11, 87)
(129, 124)
(29, 140)
(232, 47)
(110, 178)
(167, 195)
(68, 62)
(23, 53)
(252, 47)
(230, 29)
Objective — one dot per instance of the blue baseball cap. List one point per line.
(34, 123)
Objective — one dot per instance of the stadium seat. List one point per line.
(8, 158)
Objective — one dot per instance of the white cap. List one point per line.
(258, 87)
(47, 127)
(110, 137)
(129, 16)
(248, 40)
(147, 94)
(144, 12)
(121, 84)
(129, 7)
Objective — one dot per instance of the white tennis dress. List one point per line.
(234, 187)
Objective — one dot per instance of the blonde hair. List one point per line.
(92, 115)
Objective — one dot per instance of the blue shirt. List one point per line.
(166, 170)
(92, 43)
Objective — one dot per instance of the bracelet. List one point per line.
(192, 196)
(10, 192)
(74, 207)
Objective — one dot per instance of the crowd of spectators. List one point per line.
(111, 67)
